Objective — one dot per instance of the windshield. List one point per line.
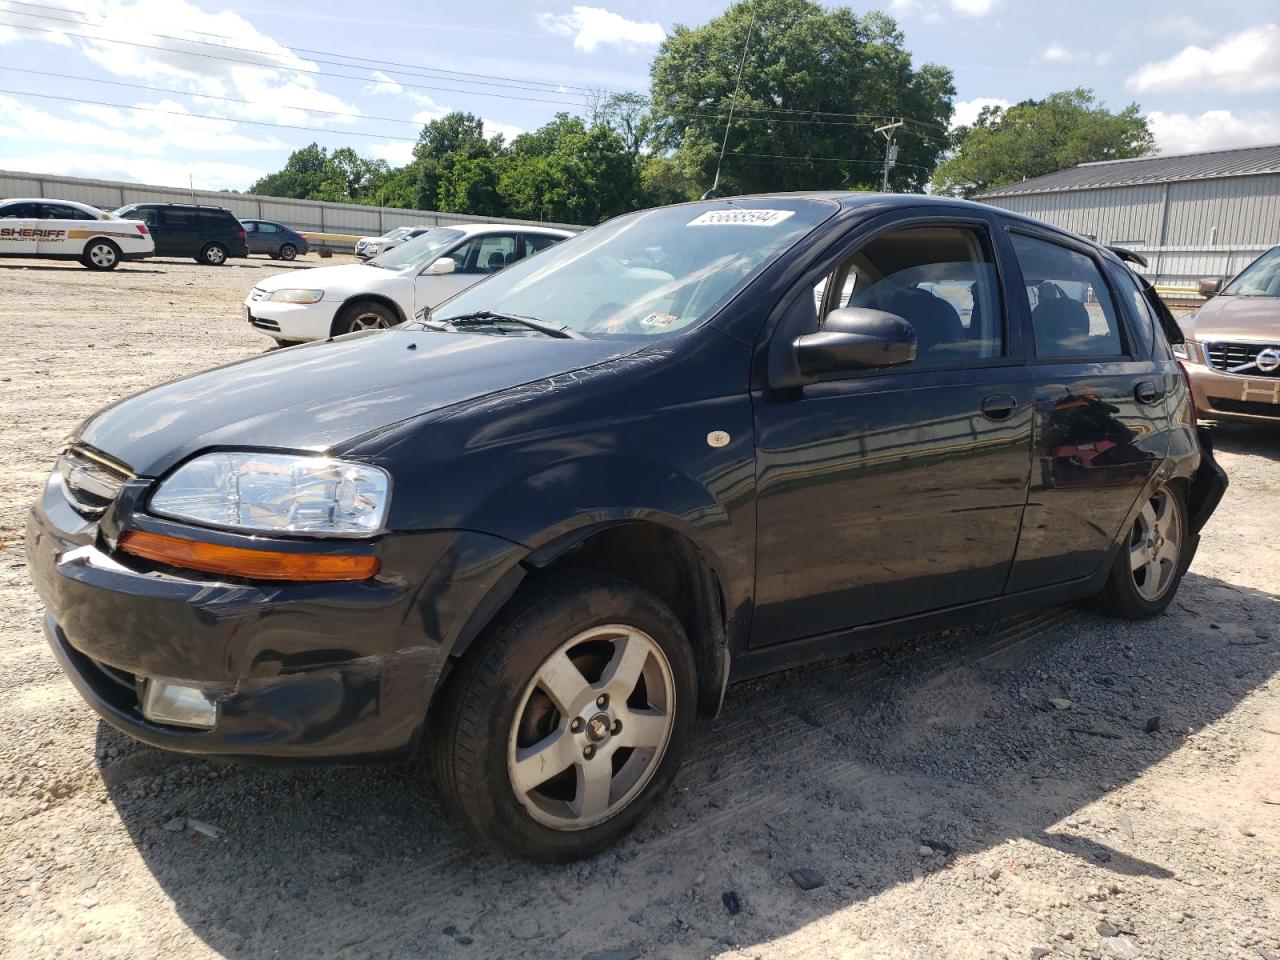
(1260, 279)
(419, 251)
(646, 274)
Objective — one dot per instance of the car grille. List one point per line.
(262, 324)
(1254, 408)
(90, 480)
(1229, 357)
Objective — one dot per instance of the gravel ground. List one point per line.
(923, 802)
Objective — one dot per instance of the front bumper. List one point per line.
(291, 321)
(299, 672)
(1229, 396)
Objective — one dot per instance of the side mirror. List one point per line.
(442, 266)
(1209, 286)
(855, 338)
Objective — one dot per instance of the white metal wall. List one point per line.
(347, 218)
(1188, 229)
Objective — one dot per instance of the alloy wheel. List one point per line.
(288, 251)
(103, 255)
(368, 320)
(1155, 545)
(592, 727)
(215, 255)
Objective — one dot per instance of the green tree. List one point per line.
(841, 70)
(303, 174)
(313, 173)
(1036, 137)
(440, 145)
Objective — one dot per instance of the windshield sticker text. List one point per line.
(659, 320)
(740, 218)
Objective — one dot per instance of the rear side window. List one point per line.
(59, 211)
(177, 217)
(941, 280)
(533, 242)
(215, 219)
(1072, 314)
(268, 228)
(1142, 320)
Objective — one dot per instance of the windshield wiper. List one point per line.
(485, 318)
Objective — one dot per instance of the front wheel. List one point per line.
(365, 315)
(213, 254)
(101, 255)
(571, 716)
(288, 251)
(1151, 560)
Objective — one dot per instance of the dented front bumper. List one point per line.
(317, 671)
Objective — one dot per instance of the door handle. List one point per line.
(1146, 392)
(998, 406)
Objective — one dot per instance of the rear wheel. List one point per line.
(288, 251)
(567, 721)
(364, 315)
(213, 254)
(1149, 565)
(101, 255)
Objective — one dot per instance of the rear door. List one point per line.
(1100, 428)
(17, 229)
(182, 235)
(891, 492)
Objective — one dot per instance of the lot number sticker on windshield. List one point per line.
(740, 218)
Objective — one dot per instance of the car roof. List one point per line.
(473, 228)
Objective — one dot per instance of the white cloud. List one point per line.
(396, 153)
(1213, 130)
(1186, 27)
(1246, 62)
(974, 8)
(143, 132)
(966, 111)
(592, 27)
(205, 174)
(383, 84)
(1057, 53)
(509, 131)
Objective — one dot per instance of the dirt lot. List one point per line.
(944, 805)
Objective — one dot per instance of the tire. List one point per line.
(100, 254)
(1151, 559)
(364, 315)
(288, 251)
(624, 737)
(213, 255)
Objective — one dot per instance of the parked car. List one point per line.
(544, 526)
(66, 230)
(274, 239)
(369, 247)
(1232, 350)
(392, 287)
(209, 234)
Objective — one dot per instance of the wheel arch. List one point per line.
(355, 298)
(653, 555)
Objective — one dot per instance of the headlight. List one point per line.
(277, 493)
(292, 295)
(1185, 351)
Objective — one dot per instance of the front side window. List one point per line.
(941, 280)
(487, 254)
(1260, 279)
(1072, 314)
(26, 211)
(647, 274)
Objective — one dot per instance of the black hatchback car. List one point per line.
(274, 239)
(208, 234)
(544, 525)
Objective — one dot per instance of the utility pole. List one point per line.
(890, 150)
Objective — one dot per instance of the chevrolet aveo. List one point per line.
(541, 527)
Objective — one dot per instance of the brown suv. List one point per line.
(1232, 352)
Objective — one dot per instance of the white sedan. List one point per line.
(389, 289)
(67, 230)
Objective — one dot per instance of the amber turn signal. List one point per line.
(240, 562)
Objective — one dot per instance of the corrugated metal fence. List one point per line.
(305, 215)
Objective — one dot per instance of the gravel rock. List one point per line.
(807, 879)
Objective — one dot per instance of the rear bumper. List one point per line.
(1207, 485)
(1227, 396)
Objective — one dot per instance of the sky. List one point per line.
(125, 89)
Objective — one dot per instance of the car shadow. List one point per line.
(845, 768)
(124, 267)
(1248, 439)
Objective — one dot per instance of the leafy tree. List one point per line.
(442, 144)
(1036, 137)
(302, 175)
(313, 173)
(840, 69)
(627, 115)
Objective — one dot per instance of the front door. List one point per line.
(1100, 429)
(885, 493)
(474, 259)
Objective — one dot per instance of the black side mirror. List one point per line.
(855, 338)
(1209, 286)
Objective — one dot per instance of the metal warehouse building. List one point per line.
(1192, 215)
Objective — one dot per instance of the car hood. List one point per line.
(348, 276)
(1235, 318)
(316, 396)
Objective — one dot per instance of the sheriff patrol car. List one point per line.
(66, 230)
